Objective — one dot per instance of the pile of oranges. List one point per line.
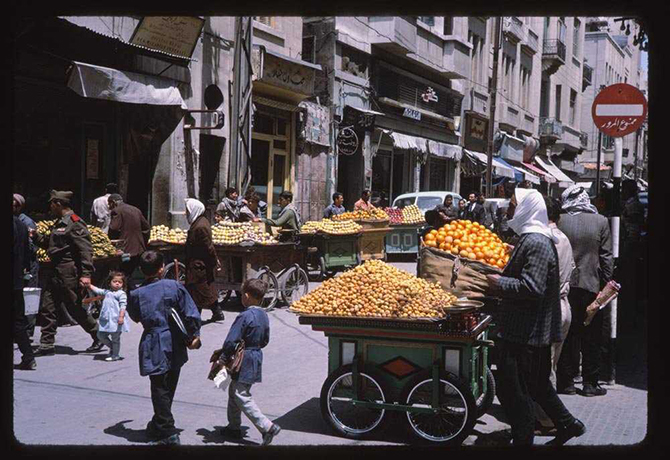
(470, 240)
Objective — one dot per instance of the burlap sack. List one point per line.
(462, 277)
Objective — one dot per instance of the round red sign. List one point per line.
(619, 109)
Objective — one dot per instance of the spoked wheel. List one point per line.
(452, 422)
(485, 400)
(296, 285)
(337, 408)
(175, 271)
(272, 294)
(224, 295)
(322, 268)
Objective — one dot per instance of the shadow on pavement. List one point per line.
(61, 350)
(214, 436)
(129, 434)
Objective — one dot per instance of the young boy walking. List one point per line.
(252, 326)
(162, 351)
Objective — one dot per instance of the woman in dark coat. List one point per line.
(201, 260)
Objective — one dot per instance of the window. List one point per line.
(561, 30)
(524, 91)
(476, 62)
(608, 142)
(558, 103)
(267, 20)
(573, 104)
(508, 77)
(354, 62)
(575, 38)
(448, 25)
(428, 20)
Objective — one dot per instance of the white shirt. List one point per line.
(100, 210)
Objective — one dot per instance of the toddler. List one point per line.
(112, 315)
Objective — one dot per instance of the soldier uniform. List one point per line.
(69, 247)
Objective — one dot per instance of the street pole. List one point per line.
(600, 142)
(492, 109)
(618, 154)
(637, 151)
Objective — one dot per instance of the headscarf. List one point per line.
(575, 200)
(195, 209)
(19, 199)
(530, 215)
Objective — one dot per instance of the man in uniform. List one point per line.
(69, 247)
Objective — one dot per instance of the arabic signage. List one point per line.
(176, 35)
(429, 95)
(619, 109)
(411, 113)
(282, 73)
(347, 141)
(476, 132)
(360, 120)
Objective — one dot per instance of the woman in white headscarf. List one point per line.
(201, 260)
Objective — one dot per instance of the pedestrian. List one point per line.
(202, 263)
(336, 208)
(462, 209)
(289, 217)
(487, 217)
(262, 205)
(566, 265)
(589, 235)
(161, 353)
(32, 277)
(21, 254)
(112, 322)
(253, 327)
(129, 225)
(364, 203)
(229, 208)
(71, 252)
(475, 210)
(529, 322)
(100, 210)
(632, 264)
(249, 211)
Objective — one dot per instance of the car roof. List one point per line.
(418, 194)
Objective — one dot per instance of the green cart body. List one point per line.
(331, 253)
(403, 239)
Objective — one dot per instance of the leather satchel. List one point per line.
(233, 364)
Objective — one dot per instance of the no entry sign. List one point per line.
(619, 109)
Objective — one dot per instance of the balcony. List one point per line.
(584, 139)
(550, 129)
(513, 29)
(587, 76)
(531, 44)
(553, 56)
(394, 34)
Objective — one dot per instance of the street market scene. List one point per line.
(412, 230)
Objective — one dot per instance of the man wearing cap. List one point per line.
(69, 247)
(128, 224)
(100, 216)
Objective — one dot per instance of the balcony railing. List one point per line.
(531, 43)
(587, 76)
(513, 29)
(551, 127)
(553, 48)
(584, 139)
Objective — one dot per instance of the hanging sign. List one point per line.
(362, 120)
(619, 109)
(347, 141)
(429, 95)
(175, 35)
(411, 113)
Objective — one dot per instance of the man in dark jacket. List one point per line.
(253, 327)
(475, 210)
(591, 242)
(17, 206)
(162, 349)
(446, 211)
(21, 254)
(128, 224)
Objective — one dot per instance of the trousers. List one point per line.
(163, 387)
(112, 340)
(523, 374)
(21, 327)
(240, 400)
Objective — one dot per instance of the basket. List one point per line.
(31, 298)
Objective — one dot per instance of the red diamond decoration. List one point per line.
(399, 367)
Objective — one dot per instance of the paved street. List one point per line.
(295, 367)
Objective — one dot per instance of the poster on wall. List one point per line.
(317, 124)
(92, 158)
(176, 35)
(347, 141)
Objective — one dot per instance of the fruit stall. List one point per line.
(330, 245)
(375, 225)
(405, 223)
(400, 344)
(245, 252)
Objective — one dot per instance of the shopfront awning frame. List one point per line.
(551, 168)
(499, 169)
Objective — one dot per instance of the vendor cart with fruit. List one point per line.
(373, 239)
(328, 253)
(405, 223)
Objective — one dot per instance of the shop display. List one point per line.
(470, 240)
(167, 234)
(377, 289)
(373, 214)
(346, 227)
(102, 245)
(395, 215)
(230, 233)
(409, 215)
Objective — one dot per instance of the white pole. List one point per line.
(618, 154)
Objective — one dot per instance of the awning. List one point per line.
(537, 172)
(293, 60)
(404, 141)
(97, 82)
(518, 175)
(511, 148)
(526, 175)
(499, 169)
(561, 177)
(442, 150)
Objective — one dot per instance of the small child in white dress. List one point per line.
(112, 314)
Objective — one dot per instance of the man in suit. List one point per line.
(475, 210)
(128, 224)
(589, 236)
(21, 254)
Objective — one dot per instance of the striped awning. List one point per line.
(499, 169)
(404, 141)
(551, 168)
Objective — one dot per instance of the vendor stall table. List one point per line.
(372, 244)
(403, 239)
(330, 253)
(434, 371)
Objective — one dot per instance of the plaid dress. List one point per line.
(530, 312)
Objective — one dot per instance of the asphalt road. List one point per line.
(77, 398)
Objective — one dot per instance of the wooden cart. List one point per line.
(403, 239)
(372, 244)
(433, 371)
(328, 254)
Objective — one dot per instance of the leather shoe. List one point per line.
(95, 347)
(231, 433)
(26, 365)
(271, 433)
(593, 389)
(569, 389)
(45, 351)
(574, 430)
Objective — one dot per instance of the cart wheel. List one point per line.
(456, 415)
(322, 268)
(485, 400)
(170, 272)
(272, 294)
(338, 410)
(296, 285)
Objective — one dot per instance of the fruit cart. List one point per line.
(327, 254)
(372, 244)
(403, 239)
(433, 371)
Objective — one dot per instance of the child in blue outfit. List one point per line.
(112, 315)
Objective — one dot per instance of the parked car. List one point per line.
(425, 201)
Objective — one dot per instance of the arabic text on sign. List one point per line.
(415, 114)
(619, 123)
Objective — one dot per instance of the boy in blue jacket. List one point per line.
(162, 350)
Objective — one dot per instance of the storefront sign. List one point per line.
(411, 113)
(347, 141)
(176, 35)
(359, 119)
(429, 95)
(476, 132)
(282, 73)
(92, 158)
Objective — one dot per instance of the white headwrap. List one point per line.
(576, 199)
(530, 215)
(195, 209)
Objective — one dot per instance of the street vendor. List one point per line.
(446, 211)
(249, 212)
(336, 208)
(229, 208)
(289, 217)
(364, 203)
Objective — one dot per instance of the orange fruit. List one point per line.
(431, 243)
(454, 250)
(442, 246)
(456, 241)
(429, 237)
(433, 232)
(440, 237)
(501, 263)
(447, 246)
(463, 253)
(472, 255)
(449, 239)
